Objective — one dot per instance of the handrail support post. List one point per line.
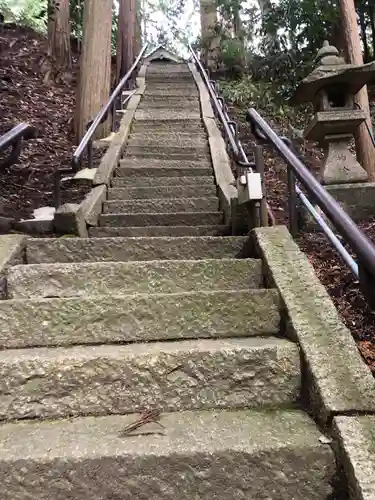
(292, 203)
(259, 165)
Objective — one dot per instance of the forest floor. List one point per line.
(24, 97)
(29, 184)
(337, 278)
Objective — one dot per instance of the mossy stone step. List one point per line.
(173, 376)
(161, 276)
(126, 231)
(167, 152)
(140, 193)
(162, 219)
(149, 181)
(129, 170)
(242, 451)
(166, 163)
(167, 115)
(52, 250)
(138, 317)
(183, 125)
(162, 205)
(173, 142)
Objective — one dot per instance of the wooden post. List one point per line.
(365, 148)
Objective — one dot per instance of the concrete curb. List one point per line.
(12, 252)
(337, 379)
(220, 159)
(355, 446)
(93, 203)
(112, 155)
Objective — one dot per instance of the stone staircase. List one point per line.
(160, 310)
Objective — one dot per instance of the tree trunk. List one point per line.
(126, 37)
(364, 147)
(371, 13)
(362, 24)
(59, 33)
(209, 36)
(138, 29)
(95, 65)
(270, 44)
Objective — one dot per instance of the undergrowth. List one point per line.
(245, 93)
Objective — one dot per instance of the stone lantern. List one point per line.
(331, 87)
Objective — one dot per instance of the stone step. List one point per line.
(141, 193)
(168, 115)
(171, 91)
(176, 103)
(100, 278)
(168, 163)
(195, 454)
(173, 376)
(148, 181)
(106, 232)
(112, 318)
(169, 135)
(51, 250)
(161, 205)
(172, 126)
(168, 142)
(194, 153)
(149, 99)
(162, 219)
(129, 170)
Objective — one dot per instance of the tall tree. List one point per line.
(364, 146)
(95, 64)
(126, 36)
(59, 32)
(209, 35)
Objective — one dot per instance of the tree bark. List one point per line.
(126, 37)
(95, 65)
(371, 14)
(362, 24)
(59, 33)
(364, 147)
(210, 39)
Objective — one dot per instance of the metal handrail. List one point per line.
(13, 139)
(229, 126)
(103, 114)
(358, 241)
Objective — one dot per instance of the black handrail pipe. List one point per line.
(103, 113)
(13, 138)
(358, 241)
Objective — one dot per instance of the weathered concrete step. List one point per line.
(173, 376)
(242, 451)
(161, 205)
(129, 170)
(172, 135)
(168, 142)
(173, 126)
(195, 153)
(149, 99)
(177, 103)
(168, 163)
(168, 115)
(100, 278)
(171, 90)
(51, 250)
(140, 317)
(148, 181)
(106, 232)
(162, 219)
(140, 193)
